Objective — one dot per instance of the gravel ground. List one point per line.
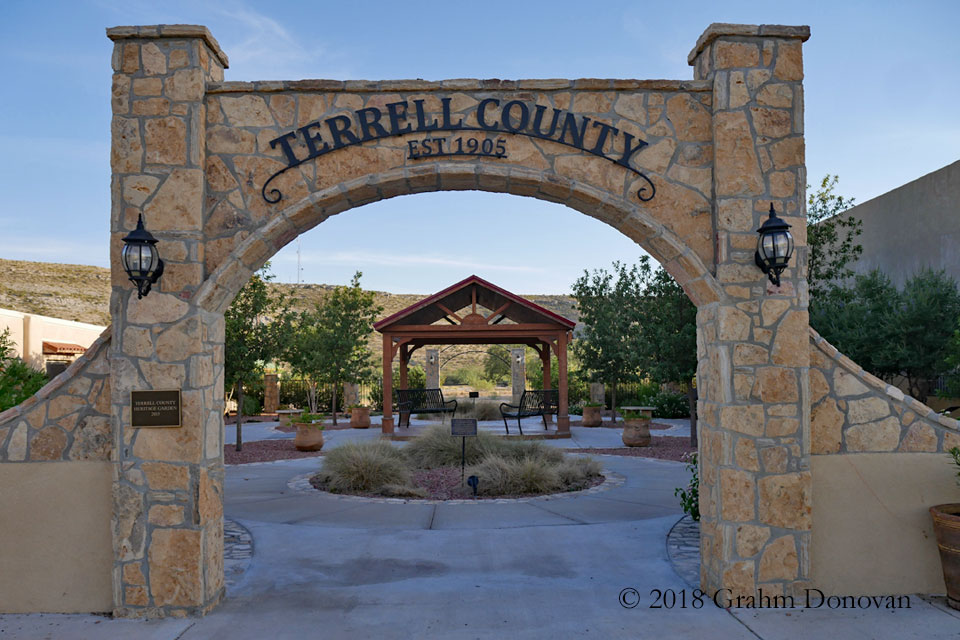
(265, 451)
(661, 448)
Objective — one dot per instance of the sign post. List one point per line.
(465, 428)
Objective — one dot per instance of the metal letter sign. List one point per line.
(517, 117)
(463, 427)
(155, 408)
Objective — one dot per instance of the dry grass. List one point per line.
(364, 466)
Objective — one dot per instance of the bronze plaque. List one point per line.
(463, 427)
(155, 408)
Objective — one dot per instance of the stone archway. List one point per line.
(227, 173)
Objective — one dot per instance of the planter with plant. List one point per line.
(591, 414)
(946, 525)
(636, 427)
(359, 416)
(309, 435)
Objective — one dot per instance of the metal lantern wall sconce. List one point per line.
(774, 247)
(141, 260)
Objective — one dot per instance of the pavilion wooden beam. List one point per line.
(499, 310)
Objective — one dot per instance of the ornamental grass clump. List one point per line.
(504, 476)
(429, 466)
(437, 448)
(364, 466)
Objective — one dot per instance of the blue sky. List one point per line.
(881, 83)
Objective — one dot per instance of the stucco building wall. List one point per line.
(914, 226)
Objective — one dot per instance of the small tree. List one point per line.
(668, 338)
(926, 320)
(254, 330)
(496, 364)
(894, 333)
(329, 343)
(611, 311)
(953, 362)
(831, 239)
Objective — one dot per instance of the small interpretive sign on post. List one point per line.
(155, 408)
(463, 427)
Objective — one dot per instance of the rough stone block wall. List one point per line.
(752, 346)
(167, 514)
(853, 411)
(69, 418)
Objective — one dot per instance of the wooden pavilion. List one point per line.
(456, 316)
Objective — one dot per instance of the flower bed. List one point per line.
(429, 467)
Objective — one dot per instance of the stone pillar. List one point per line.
(433, 369)
(755, 487)
(271, 393)
(518, 373)
(168, 489)
(597, 392)
(351, 393)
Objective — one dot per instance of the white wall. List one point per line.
(29, 331)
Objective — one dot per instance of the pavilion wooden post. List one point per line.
(563, 419)
(404, 361)
(545, 362)
(387, 423)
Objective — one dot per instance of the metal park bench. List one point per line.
(533, 402)
(419, 401)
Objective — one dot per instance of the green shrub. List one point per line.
(364, 466)
(251, 406)
(670, 404)
(18, 381)
(690, 497)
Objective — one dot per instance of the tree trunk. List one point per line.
(239, 416)
(312, 397)
(613, 402)
(334, 404)
(692, 402)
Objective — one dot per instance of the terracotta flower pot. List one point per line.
(592, 417)
(636, 432)
(309, 437)
(360, 417)
(946, 525)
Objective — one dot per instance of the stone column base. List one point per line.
(563, 424)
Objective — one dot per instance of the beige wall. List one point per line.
(872, 533)
(56, 530)
(29, 331)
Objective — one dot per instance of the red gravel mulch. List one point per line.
(265, 451)
(661, 448)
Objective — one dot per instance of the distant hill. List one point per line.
(82, 293)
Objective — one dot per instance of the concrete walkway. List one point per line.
(327, 567)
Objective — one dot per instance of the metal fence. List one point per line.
(294, 392)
